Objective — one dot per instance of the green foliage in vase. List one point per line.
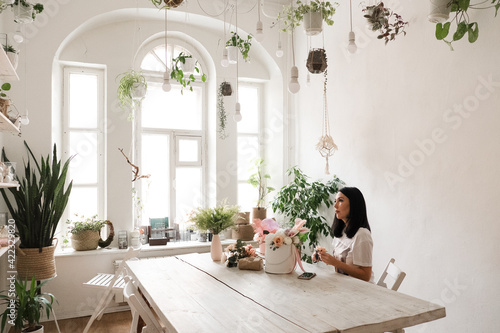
(215, 219)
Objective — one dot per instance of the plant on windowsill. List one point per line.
(385, 21)
(131, 89)
(258, 179)
(462, 21)
(40, 203)
(177, 72)
(28, 303)
(243, 45)
(291, 17)
(86, 233)
(303, 199)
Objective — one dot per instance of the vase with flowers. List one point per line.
(262, 228)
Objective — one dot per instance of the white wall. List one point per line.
(393, 111)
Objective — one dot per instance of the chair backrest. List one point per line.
(394, 272)
(138, 304)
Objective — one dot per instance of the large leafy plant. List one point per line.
(303, 199)
(462, 21)
(40, 200)
(291, 17)
(29, 303)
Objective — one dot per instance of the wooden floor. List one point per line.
(118, 322)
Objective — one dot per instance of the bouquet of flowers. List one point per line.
(296, 235)
(236, 252)
(264, 227)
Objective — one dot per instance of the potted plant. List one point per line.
(221, 112)
(462, 20)
(168, 3)
(316, 61)
(25, 304)
(236, 43)
(177, 72)
(86, 233)
(132, 87)
(25, 11)
(303, 199)
(385, 21)
(439, 11)
(12, 54)
(312, 14)
(40, 203)
(215, 220)
(258, 179)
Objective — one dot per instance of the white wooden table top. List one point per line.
(195, 294)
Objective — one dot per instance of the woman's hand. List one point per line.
(328, 258)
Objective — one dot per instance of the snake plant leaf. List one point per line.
(461, 30)
(497, 6)
(473, 32)
(442, 30)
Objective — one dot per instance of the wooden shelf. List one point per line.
(7, 72)
(7, 125)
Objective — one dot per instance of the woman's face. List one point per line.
(342, 207)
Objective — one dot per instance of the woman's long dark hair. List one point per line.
(357, 214)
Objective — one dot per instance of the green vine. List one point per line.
(178, 74)
(221, 112)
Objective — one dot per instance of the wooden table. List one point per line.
(194, 294)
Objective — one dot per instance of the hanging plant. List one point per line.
(178, 74)
(242, 44)
(221, 110)
(132, 88)
(385, 21)
(326, 146)
(227, 90)
(291, 17)
(462, 21)
(316, 61)
(168, 3)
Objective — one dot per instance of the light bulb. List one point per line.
(293, 85)
(352, 47)
(25, 120)
(18, 37)
(237, 114)
(166, 81)
(279, 51)
(224, 61)
(259, 32)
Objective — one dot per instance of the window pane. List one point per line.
(248, 151)
(83, 100)
(249, 100)
(189, 150)
(83, 201)
(189, 191)
(247, 196)
(84, 166)
(172, 110)
(155, 195)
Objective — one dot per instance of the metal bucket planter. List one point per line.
(317, 61)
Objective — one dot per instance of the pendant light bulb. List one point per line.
(352, 47)
(279, 51)
(259, 32)
(237, 114)
(293, 85)
(166, 81)
(25, 120)
(18, 37)
(224, 61)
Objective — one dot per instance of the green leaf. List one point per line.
(6, 86)
(463, 4)
(442, 30)
(473, 33)
(461, 30)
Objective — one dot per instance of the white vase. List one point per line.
(279, 260)
(14, 59)
(216, 248)
(313, 23)
(23, 14)
(232, 54)
(439, 11)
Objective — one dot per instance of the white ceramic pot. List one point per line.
(23, 14)
(232, 54)
(439, 11)
(138, 91)
(313, 23)
(14, 59)
(188, 67)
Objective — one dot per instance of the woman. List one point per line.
(352, 240)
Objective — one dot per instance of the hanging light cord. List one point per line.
(350, 12)
(166, 42)
(237, 62)
(293, 30)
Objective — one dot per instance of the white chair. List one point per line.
(397, 275)
(139, 308)
(110, 283)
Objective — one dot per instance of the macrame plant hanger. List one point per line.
(326, 146)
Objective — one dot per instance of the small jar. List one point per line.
(135, 240)
(122, 239)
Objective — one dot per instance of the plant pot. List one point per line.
(85, 240)
(245, 232)
(439, 11)
(227, 90)
(313, 23)
(188, 66)
(173, 3)
(31, 262)
(23, 14)
(259, 213)
(138, 91)
(38, 329)
(232, 54)
(280, 260)
(243, 218)
(316, 61)
(13, 58)
(216, 248)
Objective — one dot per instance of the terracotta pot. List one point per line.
(216, 248)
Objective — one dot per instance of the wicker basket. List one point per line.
(31, 262)
(85, 240)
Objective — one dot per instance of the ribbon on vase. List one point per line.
(297, 259)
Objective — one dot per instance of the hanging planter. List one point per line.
(226, 88)
(313, 23)
(439, 11)
(189, 65)
(23, 14)
(232, 54)
(316, 61)
(325, 145)
(172, 3)
(138, 91)
(12, 54)
(221, 109)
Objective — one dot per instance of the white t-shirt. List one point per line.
(356, 250)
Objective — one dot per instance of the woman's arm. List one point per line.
(359, 272)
